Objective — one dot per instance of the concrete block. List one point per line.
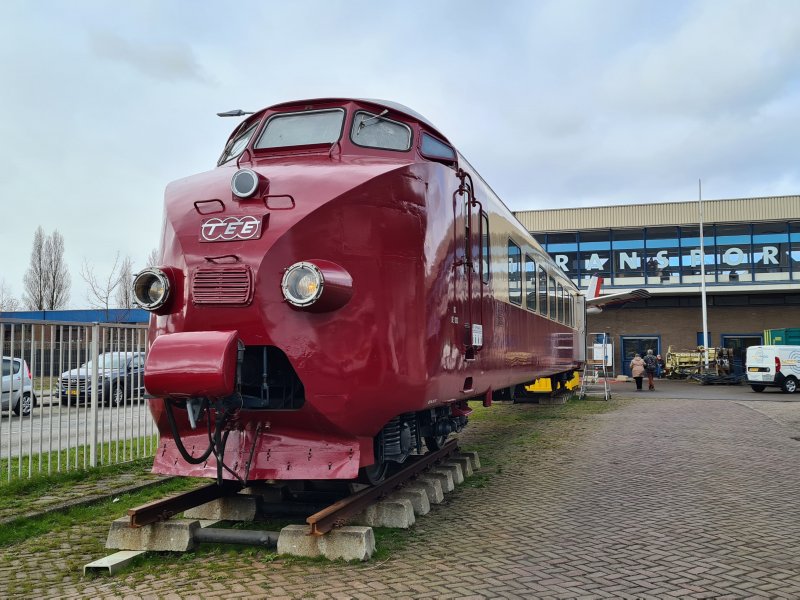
(418, 497)
(473, 456)
(387, 513)
(294, 540)
(174, 535)
(455, 469)
(350, 543)
(465, 462)
(444, 476)
(230, 508)
(432, 487)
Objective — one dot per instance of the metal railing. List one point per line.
(72, 397)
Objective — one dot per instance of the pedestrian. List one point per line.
(637, 371)
(662, 368)
(650, 364)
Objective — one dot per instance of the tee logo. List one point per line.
(230, 228)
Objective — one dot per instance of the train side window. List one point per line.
(435, 149)
(375, 131)
(542, 291)
(514, 273)
(530, 283)
(560, 302)
(237, 145)
(551, 293)
(485, 247)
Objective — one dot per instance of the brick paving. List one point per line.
(662, 498)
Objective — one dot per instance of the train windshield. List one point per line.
(237, 145)
(302, 129)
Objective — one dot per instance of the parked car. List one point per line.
(773, 366)
(120, 375)
(16, 388)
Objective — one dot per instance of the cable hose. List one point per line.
(177, 437)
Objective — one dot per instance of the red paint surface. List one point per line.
(392, 221)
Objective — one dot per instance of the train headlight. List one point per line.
(317, 285)
(244, 183)
(302, 284)
(151, 289)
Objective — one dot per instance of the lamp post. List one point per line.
(703, 275)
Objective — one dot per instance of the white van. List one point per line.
(774, 366)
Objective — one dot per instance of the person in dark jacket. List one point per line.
(650, 366)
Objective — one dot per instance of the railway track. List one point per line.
(321, 521)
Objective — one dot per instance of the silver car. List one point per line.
(16, 388)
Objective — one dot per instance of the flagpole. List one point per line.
(703, 275)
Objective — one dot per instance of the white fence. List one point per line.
(72, 396)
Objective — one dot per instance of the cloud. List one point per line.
(166, 62)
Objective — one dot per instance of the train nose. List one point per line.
(192, 364)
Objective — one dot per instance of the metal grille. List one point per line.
(222, 285)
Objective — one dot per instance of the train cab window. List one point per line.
(376, 131)
(530, 283)
(542, 291)
(551, 294)
(237, 145)
(485, 247)
(302, 129)
(560, 302)
(514, 273)
(430, 147)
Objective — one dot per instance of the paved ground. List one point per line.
(687, 491)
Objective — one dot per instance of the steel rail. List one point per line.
(161, 510)
(337, 513)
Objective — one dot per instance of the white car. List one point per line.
(16, 388)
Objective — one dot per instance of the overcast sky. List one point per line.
(556, 103)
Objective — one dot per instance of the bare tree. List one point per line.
(35, 293)
(57, 277)
(7, 301)
(101, 291)
(124, 297)
(154, 258)
(47, 279)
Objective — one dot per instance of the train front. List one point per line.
(261, 327)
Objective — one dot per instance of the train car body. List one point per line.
(332, 294)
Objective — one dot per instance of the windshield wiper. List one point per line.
(373, 118)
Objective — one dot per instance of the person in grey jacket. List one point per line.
(637, 371)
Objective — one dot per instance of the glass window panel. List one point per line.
(772, 252)
(733, 253)
(794, 233)
(237, 144)
(551, 294)
(514, 273)
(435, 149)
(595, 255)
(542, 291)
(530, 283)
(485, 247)
(691, 254)
(379, 132)
(300, 129)
(560, 296)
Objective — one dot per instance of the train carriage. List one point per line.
(334, 291)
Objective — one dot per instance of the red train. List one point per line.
(334, 292)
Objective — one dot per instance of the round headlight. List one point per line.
(151, 289)
(244, 183)
(302, 284)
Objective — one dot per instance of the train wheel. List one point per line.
(374, 474)
(435, 442)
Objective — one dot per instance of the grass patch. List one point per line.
(74, 460)
(105, 511)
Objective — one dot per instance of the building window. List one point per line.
(530, 283)
(514, 273)
(595, 255)
(733, 256)
(691, 253)
(628, 256)
(771, 251)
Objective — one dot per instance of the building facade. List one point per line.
(749, 249)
